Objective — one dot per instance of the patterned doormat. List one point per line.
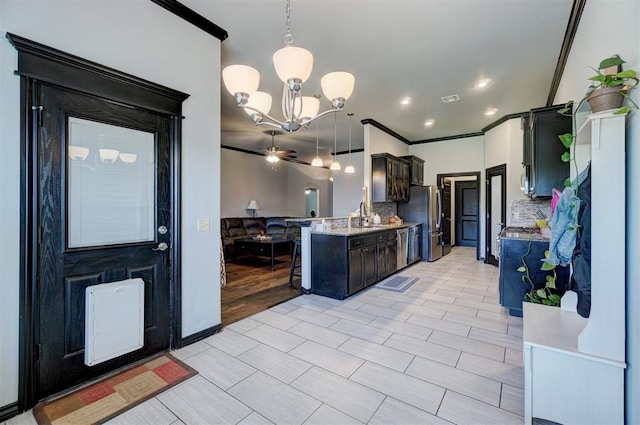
(111, 396)
(397, 283)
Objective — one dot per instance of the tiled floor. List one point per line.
(442, 352)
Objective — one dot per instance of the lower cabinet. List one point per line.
(512, 288)
(343, 265)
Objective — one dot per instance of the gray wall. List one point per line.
(279, 192)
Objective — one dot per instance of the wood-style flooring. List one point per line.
(253, 287)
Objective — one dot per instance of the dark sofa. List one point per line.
(242, 227)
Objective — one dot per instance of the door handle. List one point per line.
(162, 246)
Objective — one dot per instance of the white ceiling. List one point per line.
(422, 49)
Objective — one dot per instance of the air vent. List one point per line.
(449, 99)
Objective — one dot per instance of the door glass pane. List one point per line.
(110, 192)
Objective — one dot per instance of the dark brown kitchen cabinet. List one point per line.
(416, 170)
(389, 178)
(542, 151)
(343, 265)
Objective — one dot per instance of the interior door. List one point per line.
(496, 209)
(446, 215)
(104, 215)
(466, 213)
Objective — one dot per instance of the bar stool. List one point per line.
(294, 259)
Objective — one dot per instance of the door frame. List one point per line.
(498, 170)
(39, 63)
(476, 174)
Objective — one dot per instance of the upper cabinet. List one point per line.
(543, 166)
(416, 170)
(389, 178)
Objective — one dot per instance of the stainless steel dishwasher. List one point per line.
(403, 244)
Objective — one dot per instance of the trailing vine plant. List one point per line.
(545, 295)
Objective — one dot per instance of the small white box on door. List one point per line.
(114, 320)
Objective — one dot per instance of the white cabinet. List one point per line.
(574, 367)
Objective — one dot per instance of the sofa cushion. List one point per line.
(254, 226)
(276, 225)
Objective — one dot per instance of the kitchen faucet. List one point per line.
(361, 213)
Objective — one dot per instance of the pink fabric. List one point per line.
(554, 199)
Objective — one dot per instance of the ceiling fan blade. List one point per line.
(287, 151)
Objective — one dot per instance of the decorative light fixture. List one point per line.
(317, 161)
(293, 65)
(78, 152)
(349, 168)
(128, 158)
(253, 207)
(335, 165)
(273, 158)
(108, 155)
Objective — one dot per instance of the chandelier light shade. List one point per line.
(293, 66)
(308, 108)
(293, 62)
(241, 79)
(338, 85)
(78, 152)
(261, 101)
(128, 158)
(108, 155)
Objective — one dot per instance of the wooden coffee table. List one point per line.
(263, 248)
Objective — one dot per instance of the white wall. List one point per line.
(279, 192)
(589, 47)
(139, 38)
(503, 145)
(347, 188)
(454, 156)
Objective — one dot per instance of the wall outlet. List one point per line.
(516, 215)
(203, 225)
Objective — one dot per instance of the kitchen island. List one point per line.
(347, 260)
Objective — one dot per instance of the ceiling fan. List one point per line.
(274, 153)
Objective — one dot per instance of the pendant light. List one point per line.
(349, 168)
(317, 161)
(335, 165)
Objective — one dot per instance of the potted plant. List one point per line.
(610, 90)
(612, 87)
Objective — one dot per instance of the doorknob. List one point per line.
(162, 230)
(162, 246)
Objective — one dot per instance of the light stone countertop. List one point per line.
(345, 231)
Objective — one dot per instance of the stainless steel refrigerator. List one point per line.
(425, 206)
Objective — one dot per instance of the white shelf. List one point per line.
(569, 358)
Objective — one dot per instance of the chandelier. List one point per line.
(293, 66)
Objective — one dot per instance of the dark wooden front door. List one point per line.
(104, 189)
(446, 215)
(466, 213)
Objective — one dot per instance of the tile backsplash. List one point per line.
(523, 212)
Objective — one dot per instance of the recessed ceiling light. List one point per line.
(481, 84)
(451, 98)
(405, 101)
(429, 122)
(491, 111)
